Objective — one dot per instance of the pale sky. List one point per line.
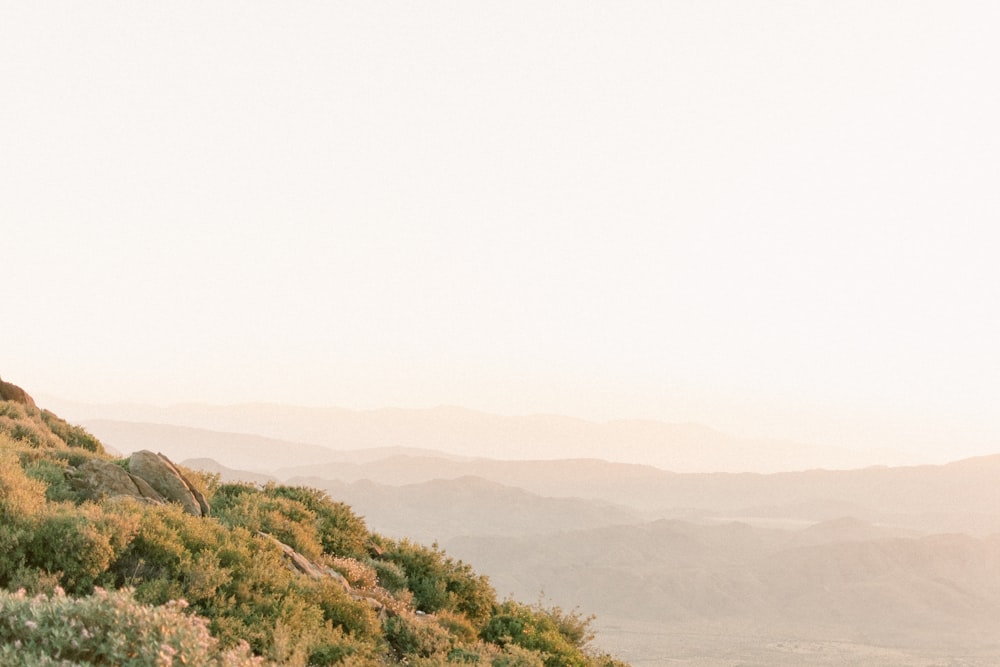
(775, 218)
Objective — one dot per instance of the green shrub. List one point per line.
(411, 635)
(74, 436)
(305, 519)
(262, 510)
(560, 637)
(52, 473)
(240, 582)
(88, 538)
(440, 583)
(107, 628)
(29, 432)
(353, 616)
(458, 626)
(515, 656)
(42, 429)
(341, 532)
(390, 575)
(20, 496)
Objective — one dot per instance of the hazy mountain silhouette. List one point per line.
(251, 452)
(677, 447)
(937, 592)
(961, 496)
(238, 450)
(441, 509)
(864, 566)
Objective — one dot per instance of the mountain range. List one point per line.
(877, 565)
(464, 432)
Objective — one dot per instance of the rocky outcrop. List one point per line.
(298, 563)
(11, 392)
(150, 477)
(98, 479)
(169, 482)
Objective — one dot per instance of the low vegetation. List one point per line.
(118, 581)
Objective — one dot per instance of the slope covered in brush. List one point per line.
(287, 571)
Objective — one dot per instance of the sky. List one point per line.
(775, 218)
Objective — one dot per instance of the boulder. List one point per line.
(168, 481)
(151, 478)
(97, 479)
(11, 392)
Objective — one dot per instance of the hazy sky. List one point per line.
(777, 218)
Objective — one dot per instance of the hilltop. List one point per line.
(138, 561)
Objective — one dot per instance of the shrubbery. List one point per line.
(107, 628)
(398, 602)
(41, 428)
(438, 582)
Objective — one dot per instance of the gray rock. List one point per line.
(97, 479)
(296, 561)
(299, 564)
(145, 489)
(198, 495)
(167, 480)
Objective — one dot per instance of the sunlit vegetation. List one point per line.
(107, 628)
(123, 582)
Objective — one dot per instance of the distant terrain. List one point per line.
(463, 432)
(133, 560)
(876, 565)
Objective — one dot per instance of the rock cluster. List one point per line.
(169, 482)
(149, 477)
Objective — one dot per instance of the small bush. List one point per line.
(241, 583)
(416, 636)
(107, 628)
(74, 436)
(42, 429)
(390, 576)
(89, 540)
(440, 583)
(20, 496)
(262, 510)
(341, 532)
(359, 575)
(53, 475)
(559, 636)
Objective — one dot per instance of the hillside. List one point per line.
(169, 566)
(871, 566)
(859, 567)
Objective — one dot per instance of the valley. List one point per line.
(873, 566)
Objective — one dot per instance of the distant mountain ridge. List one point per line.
(961, 495)
(818, 567)
(464, 432)
(239, 450)
(844, 590)
(880, 589)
